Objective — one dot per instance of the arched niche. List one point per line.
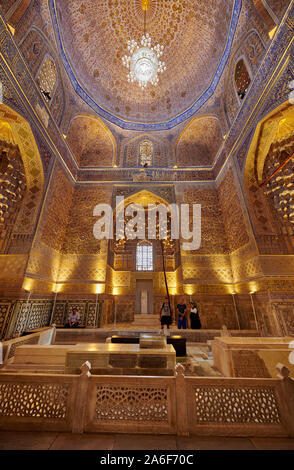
(122, 252)
(43, 63)
(272, 146)
(47, 78)
(199, 142)
(242, 78)
(91, 141)
(131, 150)
(251, 49)
(146, 153)
(20, 134)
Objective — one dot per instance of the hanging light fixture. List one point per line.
(143, 62)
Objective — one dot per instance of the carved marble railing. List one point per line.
(37, 402)
(155, 405)
(44, 336)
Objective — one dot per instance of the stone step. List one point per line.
(33, 368)
(146, 320)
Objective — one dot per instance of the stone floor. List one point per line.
(64, 441)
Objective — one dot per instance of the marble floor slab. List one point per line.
(66, 441)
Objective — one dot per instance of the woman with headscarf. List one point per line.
(194, 317)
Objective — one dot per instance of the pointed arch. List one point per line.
(242, 78)
(272, 145)
(91, 141)
(130, 151)
(199, 143)
(23, 138)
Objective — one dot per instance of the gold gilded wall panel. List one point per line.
(81, 268)
(121, 279)
(12, 266)
(278, 265)
(278, 6)
(213, 234)
(247, 269)
(270, 234)
(23, 137)
(78, 236)
(199, 142)
(207, 269)
(91, 142)
(235, 225)
(57, 209)
(43, 263)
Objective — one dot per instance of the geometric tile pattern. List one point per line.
(4, 312)
(32, 314)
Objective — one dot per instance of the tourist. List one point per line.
(194, 317)
(182, 321)
(73, 319)
(165, 314)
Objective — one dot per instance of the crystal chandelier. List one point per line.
(143, 62)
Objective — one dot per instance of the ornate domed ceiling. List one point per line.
(93, 38)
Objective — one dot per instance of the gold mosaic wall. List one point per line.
(213, 234)
(57, 209)
(78, 235)
(65, 251)
(199, 142)
(91, 142)
(235, 226)
(23, 137)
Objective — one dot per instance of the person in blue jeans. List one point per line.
(181, 309)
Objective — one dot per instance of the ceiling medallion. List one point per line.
(143, 62)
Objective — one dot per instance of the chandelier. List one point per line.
(143, 62)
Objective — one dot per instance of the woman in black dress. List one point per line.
(165, 314)
(194, 317)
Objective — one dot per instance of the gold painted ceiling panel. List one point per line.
(95, 35)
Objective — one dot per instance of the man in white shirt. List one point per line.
(73, 319)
